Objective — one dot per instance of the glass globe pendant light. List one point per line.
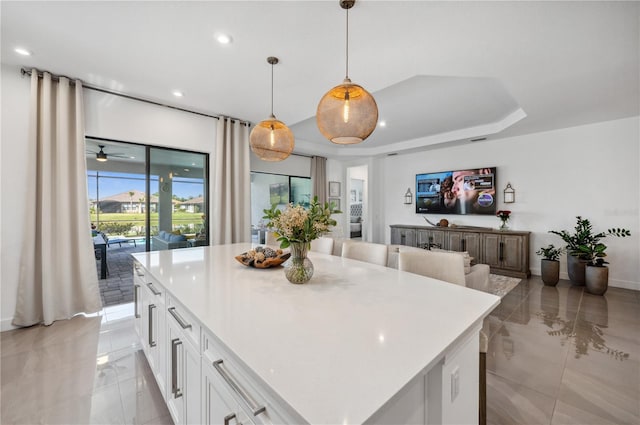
(348, 113)
(271, 139)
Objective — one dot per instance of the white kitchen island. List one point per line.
(359, 343)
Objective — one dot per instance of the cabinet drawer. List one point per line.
(181, 316)
(139, 273)
(255, 403)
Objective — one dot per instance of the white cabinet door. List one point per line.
(183, 376)
(137, 306)
(161, 342)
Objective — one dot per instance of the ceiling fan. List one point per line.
(102, 155)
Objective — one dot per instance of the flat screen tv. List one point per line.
(471, 191)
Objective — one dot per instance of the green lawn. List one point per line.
(112, 223)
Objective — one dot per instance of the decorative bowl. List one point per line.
(269, 258)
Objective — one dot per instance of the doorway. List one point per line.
(357, 201)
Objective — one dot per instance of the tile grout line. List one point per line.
(564, 366)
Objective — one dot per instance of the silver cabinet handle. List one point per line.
(175, 390)
(253, 405)
(179, 318)
(227, 419)
(138, 272)
(135, 300)
(152, 343)
(153, 289)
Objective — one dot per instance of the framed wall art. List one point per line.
(334, 189)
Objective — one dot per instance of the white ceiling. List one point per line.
(441, 72)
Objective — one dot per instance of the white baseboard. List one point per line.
(626, 284)
(614, 283)
(5, 325)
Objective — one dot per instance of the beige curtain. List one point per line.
(319, 178)
(58, 277)
(231, 184)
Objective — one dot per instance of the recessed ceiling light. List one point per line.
(22, 51)
(382, 123)
(187, 170)
(223, 38)
(177, 93)
(132, 157)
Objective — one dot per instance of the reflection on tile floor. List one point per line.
(558, 355)
(87, 370)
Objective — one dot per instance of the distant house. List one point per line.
(131, 201)
(193, 205)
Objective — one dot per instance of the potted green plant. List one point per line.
(584, 247)
(576, 260)
(597, 273)
(550, 264)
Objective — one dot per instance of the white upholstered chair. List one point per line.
(449, 267)
(323, 245)
(270, 240)
(438, 265)
(373, 253)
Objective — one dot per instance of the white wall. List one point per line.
(106, 116)
(13, 174)
(590, 170)
(295, 165)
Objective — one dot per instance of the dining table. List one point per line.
(99, 244)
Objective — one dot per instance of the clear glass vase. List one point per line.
(298, 268)
(503, 224)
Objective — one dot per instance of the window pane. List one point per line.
(270, 189)
(179, 183)
(301, 191)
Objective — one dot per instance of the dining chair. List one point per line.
(449, 268)
(373, 253)
(271, 240)
(438, 265)
(323, 245)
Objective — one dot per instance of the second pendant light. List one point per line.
(348, 113)
(271, 139)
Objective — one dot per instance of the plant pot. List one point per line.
(550, 272)
(575, 268)
(298, 268)
(597, 280)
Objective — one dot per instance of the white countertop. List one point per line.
(336, 348)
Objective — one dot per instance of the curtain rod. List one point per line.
(55, 77)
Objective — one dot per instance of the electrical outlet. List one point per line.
(455, 384)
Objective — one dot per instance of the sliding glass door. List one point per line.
(149, 197)
(269, 189)
(178, 181)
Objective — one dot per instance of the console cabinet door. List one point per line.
(504, 252)
(432, 238)
(512, 255)
(465, 241)
(491, 250)
(403, 236)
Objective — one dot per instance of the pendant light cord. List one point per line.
(347, 49)
(271, 89)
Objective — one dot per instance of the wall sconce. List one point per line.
(509, 194)
(408, 197)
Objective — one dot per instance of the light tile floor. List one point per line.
(556, 356)
(87, 370)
